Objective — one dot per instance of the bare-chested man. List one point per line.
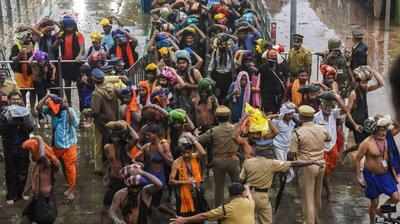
(379, 173)
(130, 205)
(42, 208)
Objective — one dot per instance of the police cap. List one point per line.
(298, 36)
(223, 111)
(306, 111)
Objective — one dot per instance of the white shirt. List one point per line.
(330, 126)
(282, 140)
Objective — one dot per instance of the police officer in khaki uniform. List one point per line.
(224, 150)
(308, 142)
(299, 58)
(258, 173)
(239, 210)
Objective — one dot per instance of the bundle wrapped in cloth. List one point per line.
(256, 120)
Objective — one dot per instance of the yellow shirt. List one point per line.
(259, 171)
(239, 211)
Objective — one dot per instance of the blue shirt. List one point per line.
(64, 128)
(108, 41)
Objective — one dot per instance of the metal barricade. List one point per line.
(136, 72)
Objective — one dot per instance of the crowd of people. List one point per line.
(218, 98)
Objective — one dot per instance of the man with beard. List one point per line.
(64, 122)
(133, 202)
(381, 166)
(272, 83)
(119, 153)
(105, 109)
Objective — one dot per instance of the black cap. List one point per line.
(313, 88)
(358, 34)
(236, 189)
(327, 95)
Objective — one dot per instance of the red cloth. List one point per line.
(69, 47)
(331, 158)
(128, 52)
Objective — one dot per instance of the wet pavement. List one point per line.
(317, 21)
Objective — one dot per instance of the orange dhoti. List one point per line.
(331, 158)
(68, 158)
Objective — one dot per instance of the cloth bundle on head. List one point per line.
(206, 84)
(219, 16)
(287, 108)
(69, 22)
(169, 74)
(105, 22)
(152, 67)
(154, 112)
(163, 51)
(261, 45)
(40, 56)
(384, 121)
(184, 139)
(177, 116)
(363, 73)
(96, 36)
(146, 86)
(157, 93)
(328, 70)
(117, 125)
(130, 176)
(369, 125)
(257, 121)
(183, 54)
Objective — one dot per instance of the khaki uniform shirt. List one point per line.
(239, 211)
(259, 171)
(298, 60)
(308, 141)
(222, 140)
